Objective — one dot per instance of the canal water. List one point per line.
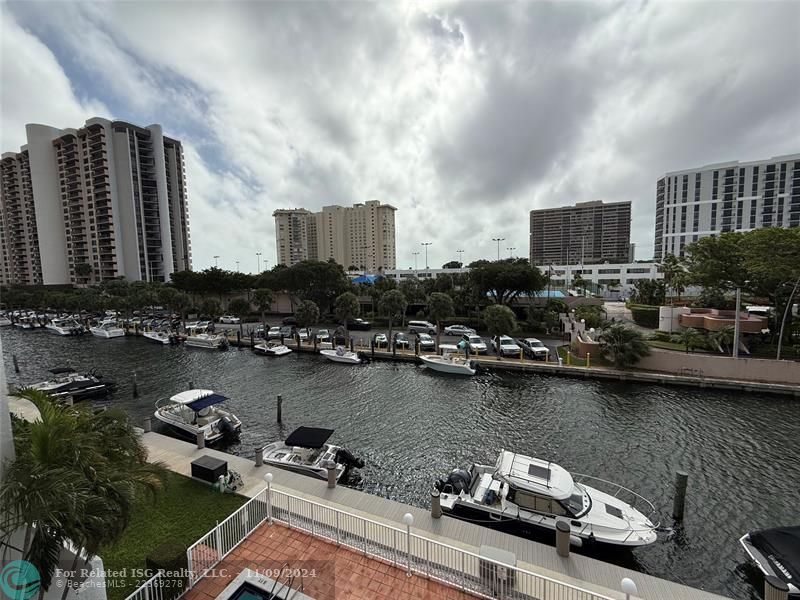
(412, 426)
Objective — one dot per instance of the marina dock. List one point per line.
(538, 558)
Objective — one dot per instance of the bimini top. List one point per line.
(309, 437)
(62, 370)
(535, 475)
(198, 399)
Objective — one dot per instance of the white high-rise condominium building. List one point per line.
(361, 236)
(87, 205)
(722, 197)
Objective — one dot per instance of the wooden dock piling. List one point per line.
(280, 407)
(679, 501)
(135, 386)
(16, 363)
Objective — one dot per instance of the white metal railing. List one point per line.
(416, 554)
(152, 589)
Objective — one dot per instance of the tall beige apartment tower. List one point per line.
(361, 236)
(589, 232)
(87, 205)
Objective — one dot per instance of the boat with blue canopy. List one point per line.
(190, 412)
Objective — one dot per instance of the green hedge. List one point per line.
(646, 316)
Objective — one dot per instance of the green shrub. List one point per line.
(661, 336)
(171, 558)
(645, 316)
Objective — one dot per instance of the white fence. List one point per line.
(153, 589)
(417, 554)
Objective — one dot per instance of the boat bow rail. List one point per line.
(627, 495)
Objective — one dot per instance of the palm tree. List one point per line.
(263, 299)
(724, 338)
(440, 307)
(394, 304)
(346, 308)
(675, 273)
(181, 302)
(622, 345)
(689, 337)
(75, 477)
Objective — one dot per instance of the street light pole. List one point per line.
(510, 252)
(736, 323)
(426, 244)
(460, 257)
(237, 266)
(498, 240)
(785, 313)
(416, 254)
(258, 256)
(216, 260)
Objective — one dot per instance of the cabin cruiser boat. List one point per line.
(272, 348)
(307, 452)
(66, 383)
(341, 355)
(193, 411)
(159, 337)
(199, 338)
(107, 329)
(776, 553)
(447, 363)
(528, 494)
(67, 326)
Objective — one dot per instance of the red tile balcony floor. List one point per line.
(331, 572)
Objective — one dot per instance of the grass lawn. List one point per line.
(184, 512)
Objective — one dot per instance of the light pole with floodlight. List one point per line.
(498, 240)
(426, 244)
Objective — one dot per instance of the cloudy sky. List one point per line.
(462, 115)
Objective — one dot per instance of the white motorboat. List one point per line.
(5, 321)
(66, 383)
(193, 411)
(272, 349)
(107, 329)
(67, 326)
(776, 553)
(527, 494)
(447, 363)
(159, 337)
(306, 451)
(213, 341)
(28, 321)
(341, 355)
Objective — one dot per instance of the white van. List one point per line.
(422, 327)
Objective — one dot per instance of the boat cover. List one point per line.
(60, 370)
(308, 437)
(781, 547)
(206, 401)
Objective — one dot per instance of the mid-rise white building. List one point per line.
(87, 205)
(361, 236)
(722, 197)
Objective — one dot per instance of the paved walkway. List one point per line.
(538, 558)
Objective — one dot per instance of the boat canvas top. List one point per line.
(781, 547)
(309, 437)
(535, 475)
(62, 370)
(197, 400)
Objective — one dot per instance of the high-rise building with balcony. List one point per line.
(362, 235)
(589, 232)
(723, 197)
(107, 200)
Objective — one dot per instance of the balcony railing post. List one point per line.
(337, 528)
(218, 541)
(268, 479)
(313, 521)
(408, 520)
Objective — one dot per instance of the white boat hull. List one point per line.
(277, 350)
(4, 322)
(209, 342)
(159, 337)
(347, 358)
(107, 333)
(453, 366)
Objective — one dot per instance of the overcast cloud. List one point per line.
(464, 116)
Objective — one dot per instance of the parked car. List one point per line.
(274, 333)
(303, 333)
(458, 330)
(506, 345)
(426, 342)
(230, 319)
(474, 342)
(421, 327)
(381, 341)
(322, 335)
(533, 348)
(401, 341)
(287, 331)
(359, 325)
(289, 321)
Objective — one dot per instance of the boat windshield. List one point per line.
(575, 502)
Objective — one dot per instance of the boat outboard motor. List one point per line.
(226, 426)
(458, 481)
(344, 456)
(364, 358)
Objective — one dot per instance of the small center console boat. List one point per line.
(159, 337)
(272, 348)
(447, 363)
(341, 355)
(306, 451)
(193, 411)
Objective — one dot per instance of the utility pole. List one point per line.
(498, 240)
(426, 244)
